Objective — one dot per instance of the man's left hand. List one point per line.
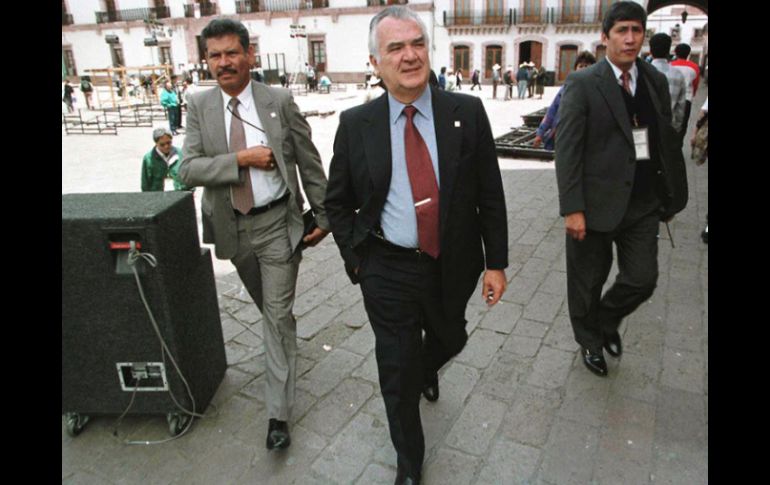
(315, 237)
(494, 286)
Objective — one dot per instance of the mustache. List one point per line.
(226, 70)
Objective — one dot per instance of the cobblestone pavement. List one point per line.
(517, 405)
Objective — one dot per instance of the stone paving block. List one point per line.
(348, 455)
(456, 382)
(555, 283)
(684, 318)
(637, 378)
(450, 466)
(314, 321)
(289, 466)
(329, 372)
(628, 431)
(682, 290)
(502, 317)
(569, 454)
(522, 346)
(361, 342)
(232, 459)
(644, 338)
(585, 398)
(548, 249)
(81, 477)
(510, 463)
(237, 353)
(677, 463)
(501, 378)
(560, 335)
(474, 312)
(550, 368)
(684, 341)
(481, 348)
(334, 411)
(532, 236)
(520, 253)
(248, 314)
(368, 370)
(530, 328)
(520, 290)
(232, 382)
(680, 416)
(376, 406)
(610, 470)
(253, 367)
(543, 307)
(250, 338)
(683, 370)
(309, 300)
(306, 281)
(354, 317)
(477, 425)
(230, 327)
(329, 338)
(346, 296)
(376, 474)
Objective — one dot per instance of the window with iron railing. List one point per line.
(250, 6)
(480, 17)
(133, 14)
(378, 3)
(532, 12)
(570, 14)
(206, 9)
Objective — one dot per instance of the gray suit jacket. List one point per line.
(595, 155)
(208, 162)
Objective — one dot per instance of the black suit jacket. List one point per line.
(473, 223)
(595, 155)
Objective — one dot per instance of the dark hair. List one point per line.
(623, 11)
(682, 51)
(220, 27)
(584, 57)
(660, 45)
(443, 70)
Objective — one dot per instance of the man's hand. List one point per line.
(259, 156)
(575, 224)
(493, 286)
(315, 237)
(537, 141)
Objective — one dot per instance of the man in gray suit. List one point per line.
(244, 144)
(620, 171)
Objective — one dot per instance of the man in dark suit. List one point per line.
(620, 171)
(244, 144)
(416, 205)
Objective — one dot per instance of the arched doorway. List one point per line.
(567, 58)
(531, 50)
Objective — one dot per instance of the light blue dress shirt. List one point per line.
(398, 219)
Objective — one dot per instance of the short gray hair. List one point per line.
(157, 133)
(398, 12)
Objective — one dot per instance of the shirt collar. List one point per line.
(618, 71)
(164, 157)
(424, 106)
(660, 63)
(246, 97)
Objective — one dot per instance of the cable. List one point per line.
(250, 124)
(133, 256)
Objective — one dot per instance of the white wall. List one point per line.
(83, 10)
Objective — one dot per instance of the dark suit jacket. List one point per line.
(595, 155)
(471, 201)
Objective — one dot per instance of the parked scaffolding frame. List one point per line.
(106, 77)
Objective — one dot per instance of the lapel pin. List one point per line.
(457, 124)
(272, 115)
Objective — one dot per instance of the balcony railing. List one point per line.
(133, 14)
(206, 9)
(560, 16)
(66, 19)
(383, 3)
(250, 6)
(483, 17)
(530, 16)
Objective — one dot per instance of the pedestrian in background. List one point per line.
(540, 82)
(170, 101)
(475, 79)
(86, 88)
(162, 161)
(522, 76)
(67, 98)
(495, 79)
(660, 45)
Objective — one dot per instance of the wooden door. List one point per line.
(567, 58)
(536, 54)
(493, 55)
(462, 60)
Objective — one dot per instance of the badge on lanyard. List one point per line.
(641, 141)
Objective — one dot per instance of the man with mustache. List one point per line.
(620, 171)
(244, 144)
(416, 205)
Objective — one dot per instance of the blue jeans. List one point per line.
(172, 118)
(522, 89)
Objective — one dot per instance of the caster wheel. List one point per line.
(75, 423)
(177, 423)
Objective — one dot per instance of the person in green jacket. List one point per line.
(161, 162)
(170, 101)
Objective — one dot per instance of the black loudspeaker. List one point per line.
(109, 347)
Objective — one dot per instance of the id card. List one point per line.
(641, 143)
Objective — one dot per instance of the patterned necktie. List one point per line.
(242, 195)
(425, 193)
(625, 76)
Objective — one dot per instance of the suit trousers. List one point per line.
(589, 263)
(402, 297)
(268, 268)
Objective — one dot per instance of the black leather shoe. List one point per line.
(594, 361)
(612, 344)
(278, 434)
(430, 389)
(403, 479)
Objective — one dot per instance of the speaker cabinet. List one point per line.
(109, 346)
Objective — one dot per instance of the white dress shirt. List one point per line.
(634, 75)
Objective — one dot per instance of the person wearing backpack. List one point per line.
(86, 88)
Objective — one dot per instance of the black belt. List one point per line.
(258, 210)
(380, 240)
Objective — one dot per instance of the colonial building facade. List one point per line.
(333, 34)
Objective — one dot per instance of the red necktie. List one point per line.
(422, 178)
(625, 76)
(242, 195)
